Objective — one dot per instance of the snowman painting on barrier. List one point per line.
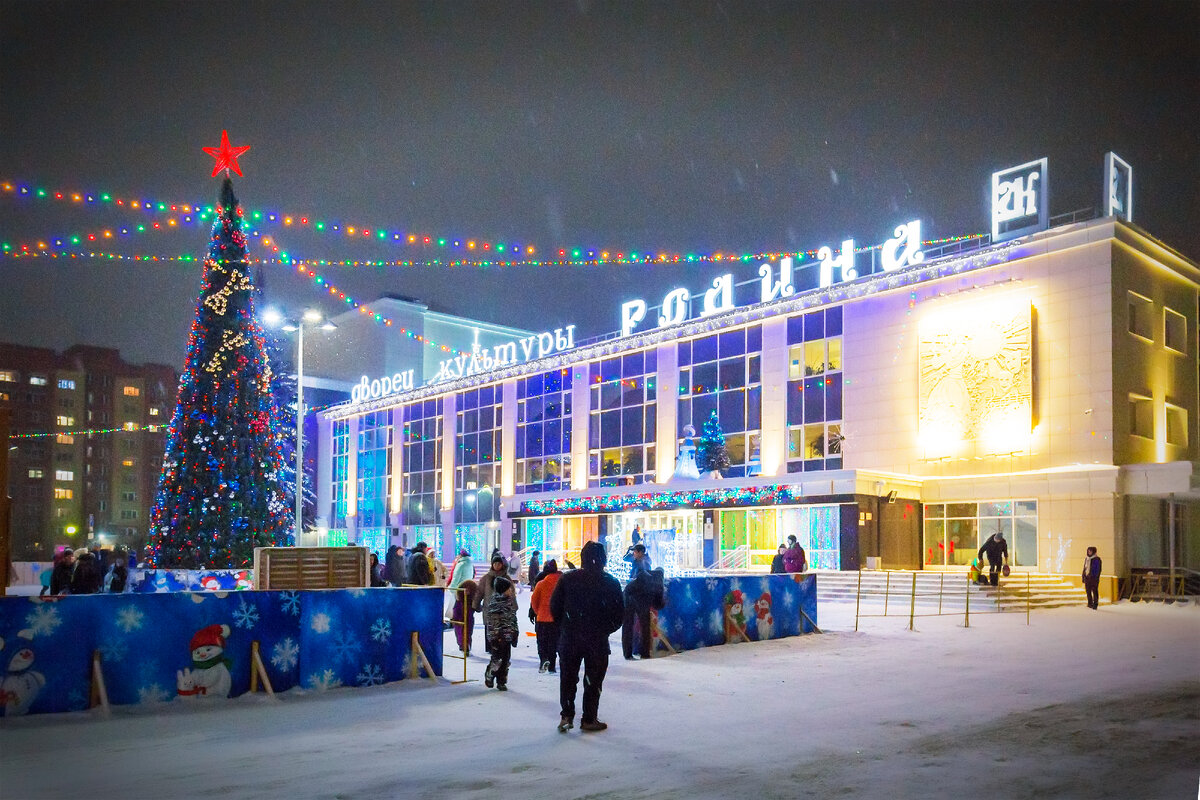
(765, 619)
(735, 617)
(21, 684)
(209, 674)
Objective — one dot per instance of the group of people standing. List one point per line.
(419, 566)
(789, 557)
(84, 571)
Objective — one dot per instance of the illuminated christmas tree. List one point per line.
(711, 453)
(221, 492)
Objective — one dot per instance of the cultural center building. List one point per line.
(896, 402)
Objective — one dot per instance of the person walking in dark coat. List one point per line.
(394, 567)
(500, 621)
(637, 604)
(587, 604)
(545, 627)
(794, 559)
(777, 566)
(377, 578)
(87, 577)
(117, 575)
(419, 573)
(464, 598)
(535, 566)
(996, 550)
(1091, 578)
(60, 578)
(486, 587)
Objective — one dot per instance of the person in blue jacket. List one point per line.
(1091, 578)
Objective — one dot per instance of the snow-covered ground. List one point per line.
(1088, 704)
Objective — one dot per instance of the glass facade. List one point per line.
(374, 469)
(544, 432)
(723, 373)
(422, 465)
(814, 397)
(477, 455)
(341, 464)
(954, 532)
(623, 420)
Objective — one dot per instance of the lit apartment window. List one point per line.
(37, 380)
(64, 383)
(130, 426)
(154, 412)
(63, 494)
(132, 391)
(1141, 416)
(1174, 331)
(1177, 426)
(65, 438)
(65, 421)
(35, 473)
(4, 397)
(1141, 316)
(8, 376)
(127, 462)
(64, 475)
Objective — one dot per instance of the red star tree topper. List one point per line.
(226, 155)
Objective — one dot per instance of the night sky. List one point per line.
(664, 127)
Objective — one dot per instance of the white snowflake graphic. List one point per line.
(370, 675)
(381, 630)
(43, 620)
(710, 584)
(320, 623)
(345, 647)
(289, 602)
(324, 681)
(129, 619)
(246, 615)
(357, 592)
(113, 650)
(286, 654)
(716, 622)
(153, 694)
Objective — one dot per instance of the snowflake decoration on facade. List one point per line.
(286, 654)
(43, 620)
(153, 694)
(370, 675)
(113, 650)
(246, 615)
(320, 623)
(381, 630)
(129, 619)
(289, 602)
(345, 647)
(324, 681)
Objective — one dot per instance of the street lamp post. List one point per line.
(311, 316)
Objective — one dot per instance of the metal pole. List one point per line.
(857, 599)
(912, 604)
(299, 430)
(1027, 588)
(967, 612)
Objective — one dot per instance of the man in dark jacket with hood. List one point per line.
(419, 573)
(587, 604)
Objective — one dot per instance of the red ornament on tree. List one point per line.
(226, 156)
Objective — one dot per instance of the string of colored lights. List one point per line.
(90, 432)
(194, 213)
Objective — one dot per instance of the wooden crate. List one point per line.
(311, 567)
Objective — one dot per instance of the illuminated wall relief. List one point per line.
(976, 380)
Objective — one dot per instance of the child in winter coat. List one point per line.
(500, 616)
(464, 598)
(544, 623)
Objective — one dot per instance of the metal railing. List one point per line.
(737, 558)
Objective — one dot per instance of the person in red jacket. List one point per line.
(544, 624)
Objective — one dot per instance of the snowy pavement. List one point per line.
(1088, 704)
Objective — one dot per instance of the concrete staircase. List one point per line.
(949, 589)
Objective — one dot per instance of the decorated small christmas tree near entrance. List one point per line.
(711, 453)
(221, 492)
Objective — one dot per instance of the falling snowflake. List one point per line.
(320, 623)
(113, 650)
(289, 602)
(345, 647)
(323, 681)
(246, 615)
(129, 619)
(286, 654)
(381, 630)
(43, 620)
(370, 675)
(153, 694)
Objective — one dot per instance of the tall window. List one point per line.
(814, 399)
(341, 463)
(373, 469)
(954, 532)
(544, 432)
(477, 462)
(422, 462)
(65, 383)
(622, 422)
(723, 373)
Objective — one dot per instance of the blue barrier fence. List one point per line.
(703, 612)
(184, 645)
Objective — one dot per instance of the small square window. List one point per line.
(1177, 426)
(1141, 416)
(1174, 331)
(1141, 316)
